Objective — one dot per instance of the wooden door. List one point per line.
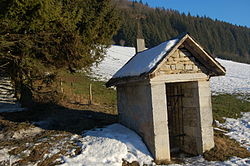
(174, 93)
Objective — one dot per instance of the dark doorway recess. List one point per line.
(175, 95)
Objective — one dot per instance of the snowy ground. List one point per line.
(108, 146)
(200, 161)
(239, 129)
(236, 80)
(116, 57)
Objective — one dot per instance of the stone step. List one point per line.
(6, 92)
(5, 87)
(7, 102)
(3, 100)
(7, 99)
(3, 97)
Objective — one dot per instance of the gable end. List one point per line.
(180, 62)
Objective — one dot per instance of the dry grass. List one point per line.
(34, 149)
(126, 163)
(225, 148)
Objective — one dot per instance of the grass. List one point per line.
(229, 106)
(76, 88)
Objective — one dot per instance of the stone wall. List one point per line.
(142, 106)
(135, 110)
(181, 61)
(205, 117)
(160, 121)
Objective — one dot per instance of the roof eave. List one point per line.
(124, 80)
(220, 70)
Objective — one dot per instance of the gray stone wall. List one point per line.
(135, 110)
(205, 117)
(160, 121)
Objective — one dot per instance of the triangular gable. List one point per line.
(180, 62)
(213, 67)
(148, 62)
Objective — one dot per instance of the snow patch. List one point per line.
(10, 107)
(200, 161)
(108, 146)
(239, 129)
(5, 158)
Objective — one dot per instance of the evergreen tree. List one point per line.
(38, 37)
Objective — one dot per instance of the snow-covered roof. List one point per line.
(144, 61)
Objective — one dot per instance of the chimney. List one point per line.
(140, 45)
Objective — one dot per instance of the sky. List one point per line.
(232, 11)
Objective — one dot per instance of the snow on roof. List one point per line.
(144, 61)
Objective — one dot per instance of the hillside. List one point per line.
(234, 82)
(222, 39)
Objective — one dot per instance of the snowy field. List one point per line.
(115, 58)
(236, 80)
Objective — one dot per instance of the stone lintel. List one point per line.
(179, 78)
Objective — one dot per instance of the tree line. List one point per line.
(221, 39)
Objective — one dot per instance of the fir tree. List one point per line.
(38, 37)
